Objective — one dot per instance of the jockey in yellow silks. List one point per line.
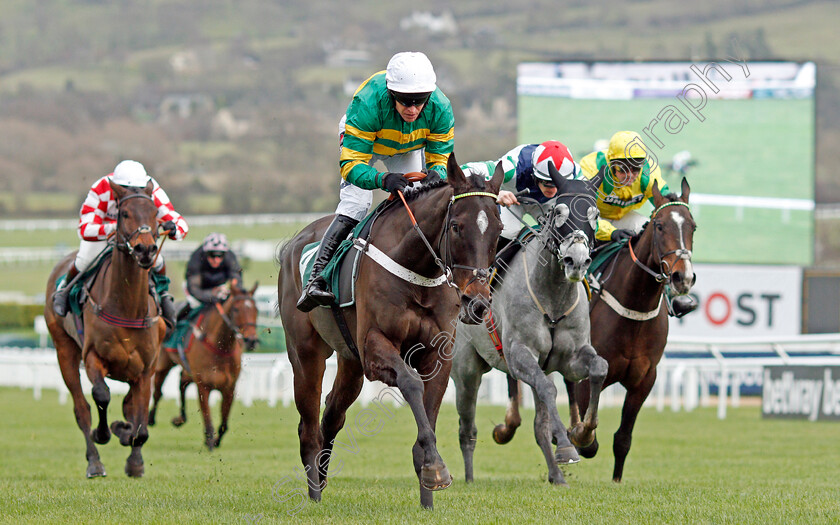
(628, 182)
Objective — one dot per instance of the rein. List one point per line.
(665, 274)
(551, 322)
(445, 268)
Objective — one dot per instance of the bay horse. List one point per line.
(401, 323)
(214, 356)
(629, 321)
(122, 332)
(540, 316)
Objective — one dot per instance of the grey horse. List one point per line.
(541, 313)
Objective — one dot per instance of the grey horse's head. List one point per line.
(568, 240)
(571, 223)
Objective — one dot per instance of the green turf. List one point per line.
(683, 468)
(761, 148)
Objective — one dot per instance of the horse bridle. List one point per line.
(478, 274)
(556, 242)
(126, 244)
(229, 322)
(664, 274)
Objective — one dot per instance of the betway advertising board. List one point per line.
(743, 301)
(801, 392)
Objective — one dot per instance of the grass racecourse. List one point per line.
(683, 468)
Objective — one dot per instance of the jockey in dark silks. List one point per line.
(627, 184)
(400, 117)
(209, 269)
(527, 175)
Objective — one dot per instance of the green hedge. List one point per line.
(14, 315)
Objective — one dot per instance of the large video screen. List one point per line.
(741, 132)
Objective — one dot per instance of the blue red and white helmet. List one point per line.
(215, 242)
(555, 153)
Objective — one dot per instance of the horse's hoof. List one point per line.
(502, 434)
(579, 437)
(134, 470)
(123, 430)
(100, 438)
(95, 470)
(559, 482)
(590, 450)
(435, 478)
(566, 456)
(178, 421)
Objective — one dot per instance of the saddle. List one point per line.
(340, 273)
(80, 292)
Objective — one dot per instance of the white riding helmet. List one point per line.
(410, 72)
(554, 152)
(130, 173)
(215, 242)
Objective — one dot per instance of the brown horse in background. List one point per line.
(629, 320)
(122, 332)
(214, 357)
(631, 335)
(401, 330)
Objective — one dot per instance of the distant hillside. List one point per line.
(242, 99)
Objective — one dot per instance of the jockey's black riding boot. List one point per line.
(679, 305)
(61, 295)
(315, 292)
(167, 309)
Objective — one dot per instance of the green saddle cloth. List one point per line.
(178, 338)
(604, 254)
(77, 295)
(332, 271)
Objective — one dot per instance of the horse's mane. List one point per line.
(477, 183)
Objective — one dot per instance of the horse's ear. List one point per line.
(558, 179)
(119, 191)
(150, 186)
(498, 178)
(685, 189)
(254, 289)
(657, 195)
(454, 176)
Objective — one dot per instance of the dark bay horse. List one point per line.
(629, 319)
(214, 357)
(122, 332)
(401, 323)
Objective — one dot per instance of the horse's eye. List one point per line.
(658, 226)
(455, 227)
(124, 214)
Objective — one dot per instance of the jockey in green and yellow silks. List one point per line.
(627, 184)
(630, 173)
(399, 117)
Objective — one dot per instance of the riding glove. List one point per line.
(432, 177)
(170, 228)
(620, 235)
(394, 182)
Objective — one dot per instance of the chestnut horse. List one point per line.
(401, 321)
(122, 331)
(628, 318)
(214, 356)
